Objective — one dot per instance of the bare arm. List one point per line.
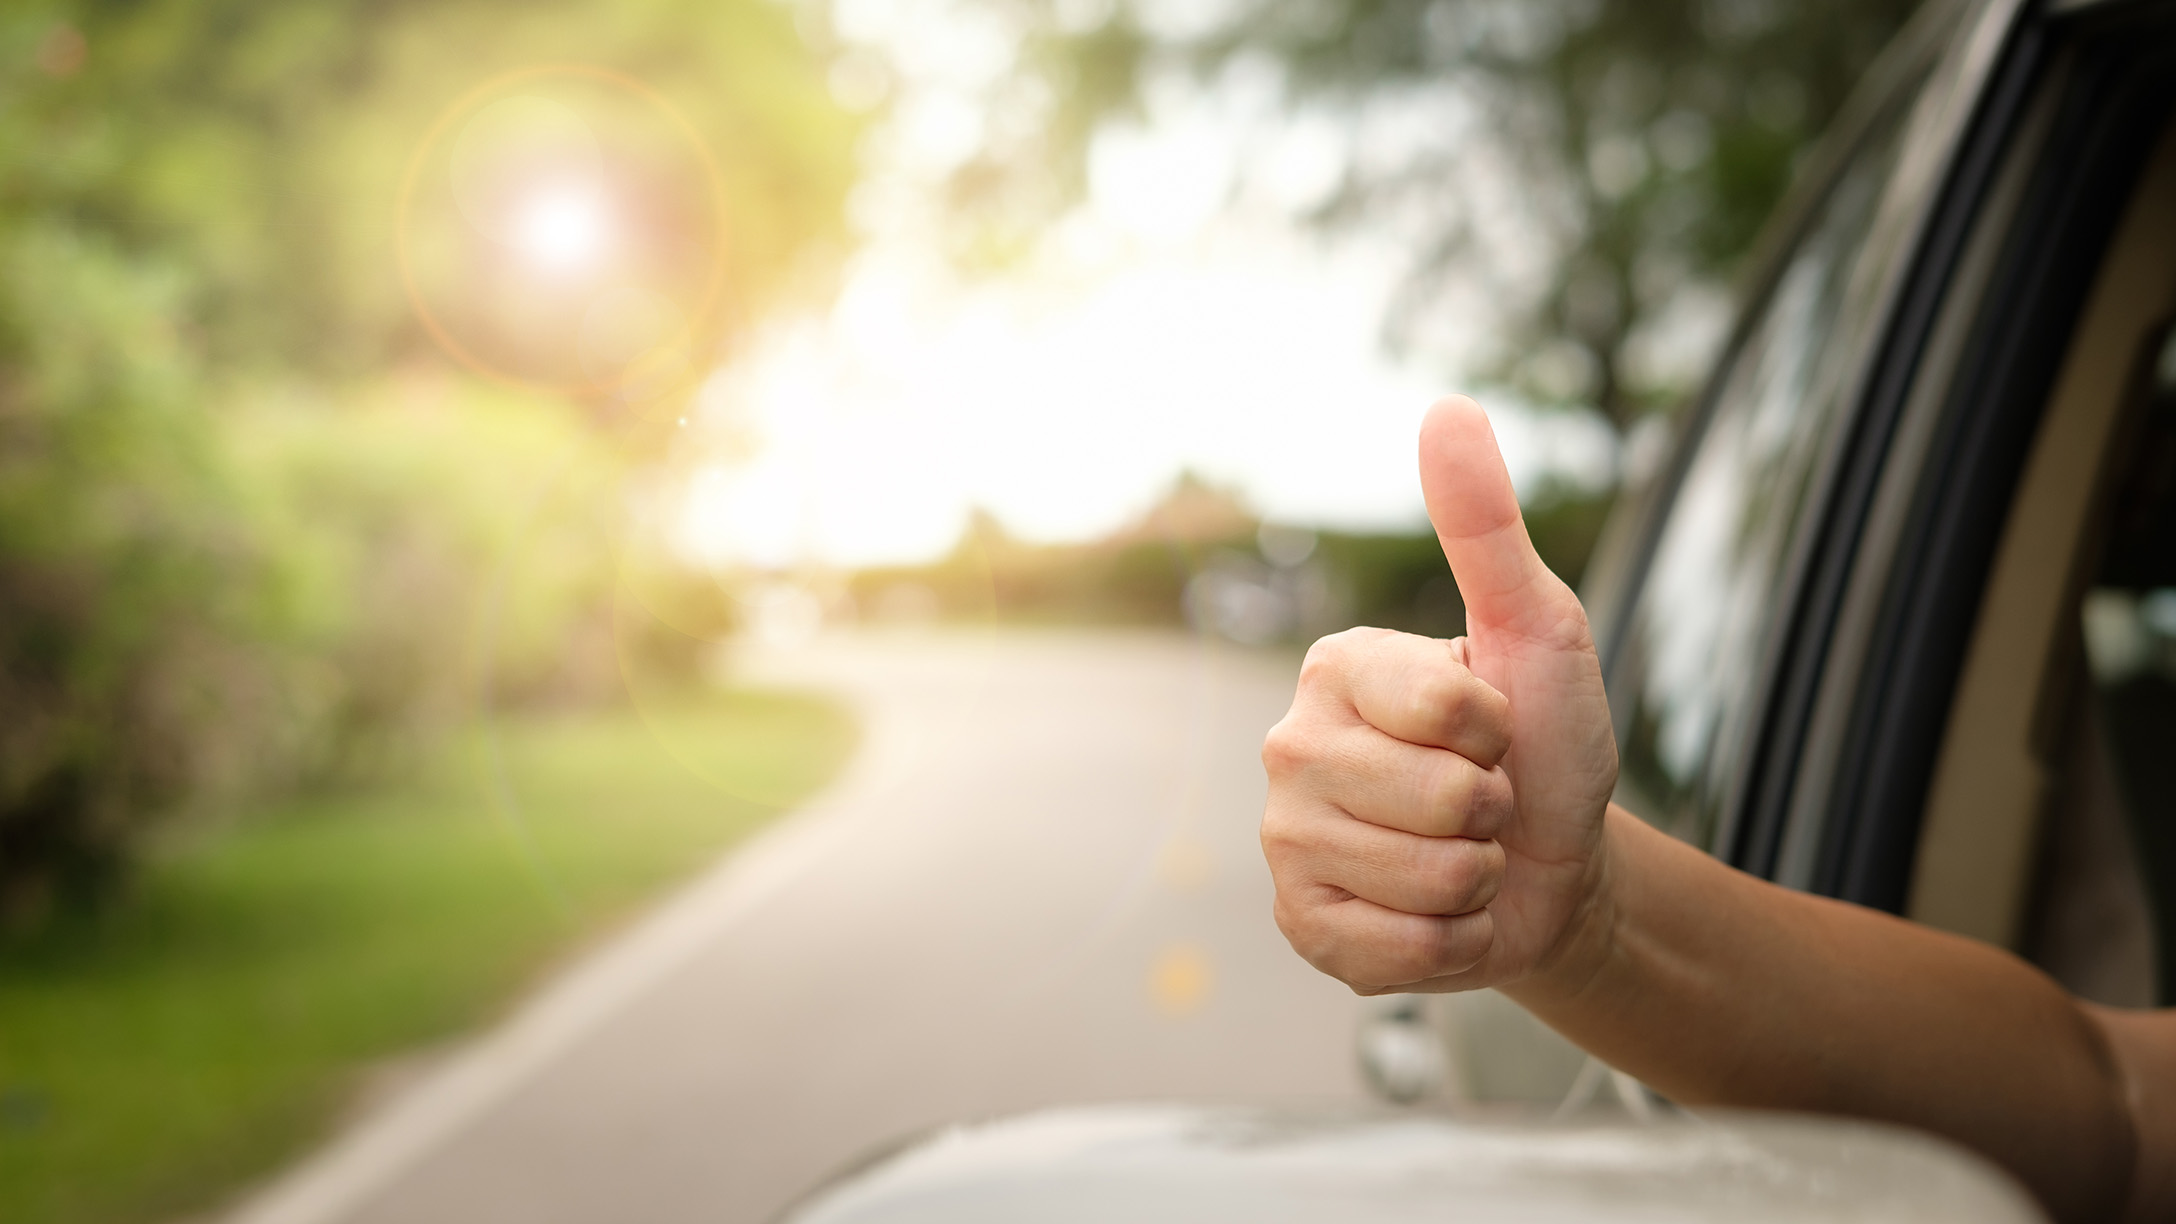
(1719, 988)
(1439, 820)
(2144, 1044)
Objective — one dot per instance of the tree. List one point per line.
(197, 219)
(1634, 146)
(257, 146)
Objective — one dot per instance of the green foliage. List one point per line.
(1137, 575)
(210, 1025)
(1394, 581)
(1146, 573)
(1397, 581)
(258, 144)
(1646, 141)
(449, 546)
(1565, 524)
(252, 533)
(669, 617)
(129, 581)
(1109, 582)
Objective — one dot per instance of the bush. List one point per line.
(130, 584)
(295, 592)
(194, 607)
(449, 547)
(209, 588)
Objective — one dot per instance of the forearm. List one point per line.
(1719, 988)
(2145, 1048)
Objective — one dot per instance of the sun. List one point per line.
(563, 227)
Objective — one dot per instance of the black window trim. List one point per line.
(1992, 410)
(1611, 594)
(1749, 828)
(1979, 147)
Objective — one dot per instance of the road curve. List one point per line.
(1037, 883)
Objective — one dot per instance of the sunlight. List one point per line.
(563, 228)
(1067, 403)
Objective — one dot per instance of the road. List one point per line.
(1037, 883)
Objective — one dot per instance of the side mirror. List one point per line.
(1167, 1165)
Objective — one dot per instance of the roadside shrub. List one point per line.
(199, 606)
(452, 547)
(130, 585)
(243, 545)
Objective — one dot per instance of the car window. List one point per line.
(1707, 606)
(2128, 622)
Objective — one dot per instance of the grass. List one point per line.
(215, 1024)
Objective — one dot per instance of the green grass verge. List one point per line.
(215, 1023)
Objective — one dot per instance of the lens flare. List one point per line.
(563, 228)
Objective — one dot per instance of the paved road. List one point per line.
(1037, 883)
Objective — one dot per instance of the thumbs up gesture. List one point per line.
(1435, 816)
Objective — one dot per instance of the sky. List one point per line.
(1180, 319)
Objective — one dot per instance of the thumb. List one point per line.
(1500, 577)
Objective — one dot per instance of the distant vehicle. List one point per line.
(1895, 622)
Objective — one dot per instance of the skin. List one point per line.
(1439, 820)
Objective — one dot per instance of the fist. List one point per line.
(1435, 807)
(1387, 794)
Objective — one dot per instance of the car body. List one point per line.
(1895, 619)
(1848, 638)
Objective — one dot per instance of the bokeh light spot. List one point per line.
(1179, 980)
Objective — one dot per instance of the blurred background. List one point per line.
(465, 466)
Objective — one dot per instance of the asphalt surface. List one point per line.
(1038, 883)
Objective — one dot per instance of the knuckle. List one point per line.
(1493, 802)
(1487, 880)
(1326, 655)
(1287, 749)
(1297, 924)
(1465, 874)
(1282, 835)
(1450, 796)
(1442, 700)
(1421, 950)
(1493, 720)
(1337, 654)
(1304, 930)
(1456, 945)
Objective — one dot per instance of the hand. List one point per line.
(1435, 808)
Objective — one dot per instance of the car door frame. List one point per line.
(2066, 122)
(1935, 192)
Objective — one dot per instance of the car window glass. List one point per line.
(1700, 623)
(2128, 621)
